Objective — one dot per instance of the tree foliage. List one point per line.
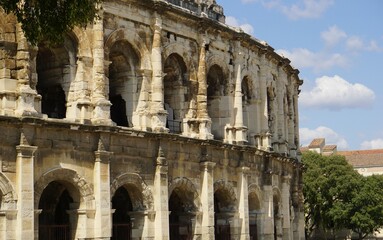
(329, 185)
(337, 197)
(366, 208)
(48, 20)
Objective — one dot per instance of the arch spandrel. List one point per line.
(8, 195)
(143, 202)
(83, 41)
(72, 178)
(136, 42)
(187, 186)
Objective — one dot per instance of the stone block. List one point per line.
(7, 84)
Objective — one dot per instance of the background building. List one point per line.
(158, 121)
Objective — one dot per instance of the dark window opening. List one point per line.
(118, 111)
(180, 218)
(222, 206)
(176, 92)
(122, 226)
(54, 221)
(53, 102)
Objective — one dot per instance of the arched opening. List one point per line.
(122, 226)
(224, 213)
(254, 216)
(247, 90)
(56, 68)
(176, 93)
(182, 213)
(217, 101)
(123, 82)
(55, 222)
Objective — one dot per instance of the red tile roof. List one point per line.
(329, 147)
(317, 142)
(364, 158)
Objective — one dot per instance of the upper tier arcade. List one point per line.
(208, 8)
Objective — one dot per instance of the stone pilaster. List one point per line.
(101, 171)
(286, 224)
(8, 218)
(207, 200)
(264, 134)
(25, 189)
(243, 202)
(100, 86)
(161, 195)
(204, 120)
(79, 105)
(237, 132)
(81, 223)
(158, 111)
(26, 95)
(141, 117)
(268, 224)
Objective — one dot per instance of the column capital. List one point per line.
(103, 156)
(244, 170)
(207, 166)
(26, 150)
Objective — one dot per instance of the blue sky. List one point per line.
(338, 47)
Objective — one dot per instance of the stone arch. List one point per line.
(84, 189)
(247, 89)
(218, 91)
(178, 48)
(142, 197)
(220, 61)
(188, 187)
(255, 189)
(56, 67)
(177, 92)
(135, 40)
(277, 196)
(124, 81)
(84, 42)
(255, 205)
(216, 61)
(226, 193)
(7, 192)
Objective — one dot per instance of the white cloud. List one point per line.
(304, 58)
(335, 93)
(232, 21)
(307, 9)
(355, 43)
(333, 35)
(307, 135)
(302, 9)
(373, 144)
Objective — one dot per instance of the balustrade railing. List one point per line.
(222, 232)
(54, 232)
(122, 231)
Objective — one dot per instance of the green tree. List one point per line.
(329, 186)
(366, 208)
(48, 20)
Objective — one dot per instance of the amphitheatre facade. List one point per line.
(157, 121)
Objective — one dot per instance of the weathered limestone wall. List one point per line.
(194, 120)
